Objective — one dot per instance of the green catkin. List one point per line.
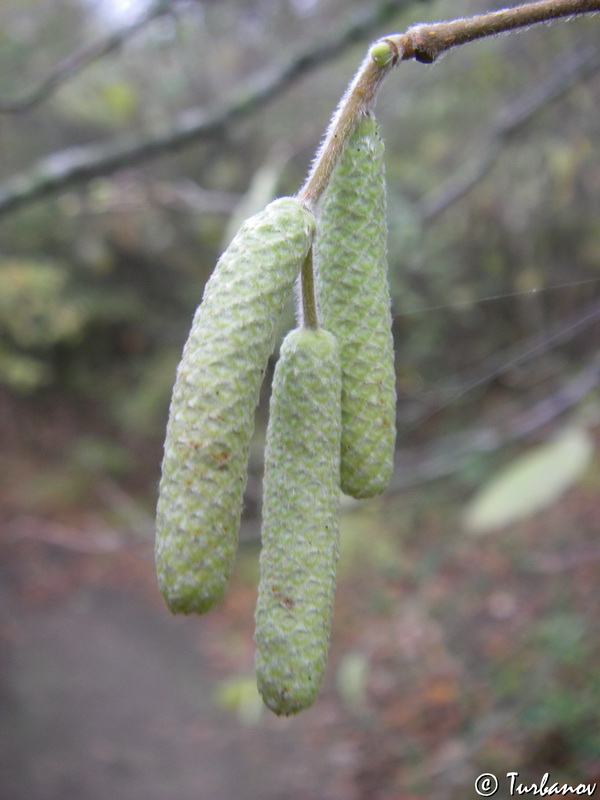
(354, 303)
(214, 399)
(300, 522)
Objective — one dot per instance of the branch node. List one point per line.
(424, 44)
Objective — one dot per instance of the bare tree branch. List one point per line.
(568, 71)
(75, 166)
(27, 526)
(76, 62)
(562, 331)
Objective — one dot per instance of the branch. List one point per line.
(564, 330)
(358, 100)
(27, 526)
(426, 42)
(76, 62)
(309, 315)
(569, 71)
(75, 166)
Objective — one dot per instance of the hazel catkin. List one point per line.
(214, 398)
(300, 522)
(354, 303)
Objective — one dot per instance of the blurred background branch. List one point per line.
(568, 70)
(73, 167)
(73, 64)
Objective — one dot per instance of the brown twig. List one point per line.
(358, 100)
(426, 42)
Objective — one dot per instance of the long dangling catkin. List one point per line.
(214, 399)
(354, 300)
(300, 522)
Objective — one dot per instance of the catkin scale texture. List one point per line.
(213, 403)
(300, 531)
(354, 301)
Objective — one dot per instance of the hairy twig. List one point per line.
(426, 42)
(358, 100)
(568, 71)
(73, 64)
(75, 166)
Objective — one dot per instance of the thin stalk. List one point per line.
(310, 317)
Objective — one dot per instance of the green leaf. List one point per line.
(531, 482)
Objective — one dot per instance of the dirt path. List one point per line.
(103, 697)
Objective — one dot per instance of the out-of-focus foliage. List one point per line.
(36, 315)
(34, 309)
(137, 247)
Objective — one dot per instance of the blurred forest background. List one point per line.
(134, 139)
